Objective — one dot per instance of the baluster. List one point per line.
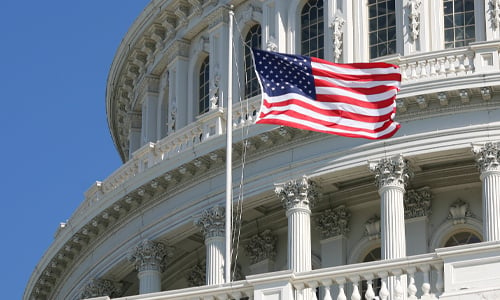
(470, 63)
(398, 290)
(299, 289)
(370, 294)
(413, 71)
(461, 64)
(451, 66)
(423, 69)
(327, 289)
(384, 292)
(442, 67)
(412, 288)
(355, 291)
(439, 279)
(342, 295)
(432, 67)
(403, 68)
(312, 290)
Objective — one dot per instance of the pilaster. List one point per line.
(148, 95)
(101, 287)
(417, 205)
(149, 258)
(177, 85)
(212, 225)
(487, 158)
(261, 249)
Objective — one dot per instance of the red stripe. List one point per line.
(371, 65)
(331, 98)
(328, 112)
(358, 78)
(359, 90)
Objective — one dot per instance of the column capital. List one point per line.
(391, 172)
(487, 156)
(417, 203)
(100, 287)
(297, 193)
(261, 246)
(197, 274)
(150, 255)
(334, 222)
(212, 222)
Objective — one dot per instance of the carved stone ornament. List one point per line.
(417, 204)
(214, 89)
(212, 222)
(414, 16)
(334, 222)
(261, 246)
(296, 194)
(99, 288)
(338, 36)
(487, 156)
(150, 255)
(271, 44)
(459, 211)
(197, 275)
(495, 13)
(392, 171)
(372, 228)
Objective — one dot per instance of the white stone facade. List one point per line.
(416, 216)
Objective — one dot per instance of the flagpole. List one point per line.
(229, 151)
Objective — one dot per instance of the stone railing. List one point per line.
(447, 273)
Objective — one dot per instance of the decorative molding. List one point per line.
(495, 13)
(212, 222)
(414, 16)
(487, 156)
(271, 44)
(393, 171)
(338, 36)
(214, 88)
(297, 194)
(150, 255)
(372, 228)
(197, 275)
(261, 246)
(417, 203)
(101, 287)
(459, 211)
(334, 222)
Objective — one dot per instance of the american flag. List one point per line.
(353, 100)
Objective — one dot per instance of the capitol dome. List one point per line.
(315, 215)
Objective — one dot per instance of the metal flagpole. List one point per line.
(229, 151)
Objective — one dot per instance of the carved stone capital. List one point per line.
(372, 228)
(487, 156)
(99, 288)
(393, 171)
(417, 204)
(261, 246)
(212, 222)
(334, 222)
(459, 211)
(197, 275)
(297, 193)
(150, 255)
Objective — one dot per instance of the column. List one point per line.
(212, 224)
(148, 95)
(298, 197)
(149, 258)
(178, 103)
(487, 160)
(391, 175)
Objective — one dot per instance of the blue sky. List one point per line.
(54, 57)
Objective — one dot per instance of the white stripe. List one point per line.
(358, 84)
(349, 71)
(331, 105)
(320, 127)
(367, 98)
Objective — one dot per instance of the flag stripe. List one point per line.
(354, 100)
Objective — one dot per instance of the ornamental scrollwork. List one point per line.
(336, 26)
(297, 193)
(372, 228)
(417, 204)
(487, 156)
(495, 13)
(334, 222)
(261, 246)
(414, 16)
(99, 288)
(197, 275)
(212, 222)
(150, 255)
(392, 171)
(459, 212)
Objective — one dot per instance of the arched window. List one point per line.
(459, 23)
(312, 29)
(253, 39)
(382, 27)
(204, 87)
(462, 238)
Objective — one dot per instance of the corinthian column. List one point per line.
(212, 224)
(298, 197)
(149, 258)
(487, 157)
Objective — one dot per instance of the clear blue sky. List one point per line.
(54, 57)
